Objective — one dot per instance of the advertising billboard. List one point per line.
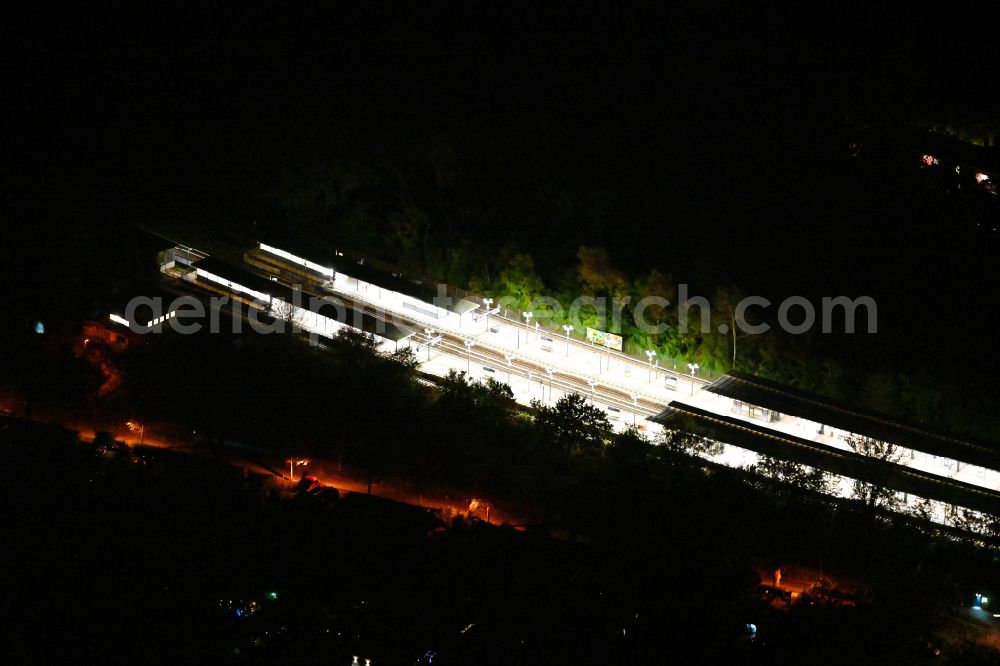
(604, 339)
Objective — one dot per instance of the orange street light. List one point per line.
(293, 463)
(135, 426)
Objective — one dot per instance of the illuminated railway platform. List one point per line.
(745, 416)
(812, 417)
(323, 317)
(422, 307)
(749, 417)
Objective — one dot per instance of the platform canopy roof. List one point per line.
(329, 306)
(795, 402)
(763, 440)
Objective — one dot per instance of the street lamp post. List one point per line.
(510, 364)
(429, 332)
(134, 426)
(567, 328)
(292, 464)
(487, 302)
(468, 347)
(550, 371)
(593, 383)
(650, 354)
(635, 408)
(527, 322)
(693, 367)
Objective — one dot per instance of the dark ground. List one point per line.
(711, 144)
